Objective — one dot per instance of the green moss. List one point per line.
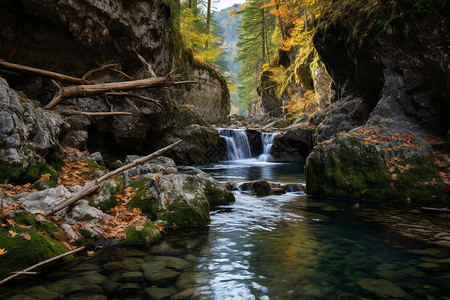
(115, 165)
(182, 214)
(216, 196)
(149, 234)
(24, 253)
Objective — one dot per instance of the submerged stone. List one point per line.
(131, 277)
(381, 288)
(156, 293)
(162, 277)
(41, 293)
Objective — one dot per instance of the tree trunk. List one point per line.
(208, 22)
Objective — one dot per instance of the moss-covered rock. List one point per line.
(24, 252)
(218, 196)
(148, 234)
(106, 198)
(261, 188)
(363, 165)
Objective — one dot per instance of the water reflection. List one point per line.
(253, 169)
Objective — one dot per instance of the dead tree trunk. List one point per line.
(96, 89)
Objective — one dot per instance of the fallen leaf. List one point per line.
(25, 236)
(90, 253)
(158, 176)
(166, 202)
(3, 251)
(394, 177)
(133, 178)
(11, 222)
(12, 233)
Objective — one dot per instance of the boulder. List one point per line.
(28, 136)
(381, 288)
(261, 188)
(293, 143)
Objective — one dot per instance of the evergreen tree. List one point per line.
(255, 48)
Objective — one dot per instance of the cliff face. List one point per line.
(75, 36)
(393, 101)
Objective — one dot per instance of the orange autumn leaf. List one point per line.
(158, 176)
(3, 251)
(166, 202)
(394, 177)
(44, 177)
(25, 236)
(149, 196)
(133, 178)
(12, 233)
(11, 222)
(90, 253)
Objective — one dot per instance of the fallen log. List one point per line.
(131, 95)
(93, 186)
(96, 89)
(42, 73)
(26, 271)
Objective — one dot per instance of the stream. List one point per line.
(285, 246)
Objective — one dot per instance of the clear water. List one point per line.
(276, 247)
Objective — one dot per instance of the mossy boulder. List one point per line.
(367, 164)
(146, 235)
(28, 250)
(106, 198)
(179, 199)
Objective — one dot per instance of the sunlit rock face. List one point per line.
(392, 97)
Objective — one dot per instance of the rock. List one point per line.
(186, 294)
(28, 135)
(131, 277)
(156, 293)
(433, 252)
(261, 188)
(163, 277)
(129, 288)
(429, 267)
(133, 263)
(85, 267)
(114, 266)
(395, 276)
(106, 198)
(154, 266)
(381, 288)
(441, 280)
(175, 262)
(293, 144)
(40, 292)
(160, 164)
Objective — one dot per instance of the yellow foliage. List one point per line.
(3, 251)
(299, 105)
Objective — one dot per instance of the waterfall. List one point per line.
(237, 143)
(267, 141)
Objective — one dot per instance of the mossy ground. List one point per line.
(23, 253)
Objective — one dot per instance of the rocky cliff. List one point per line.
(384, 136)
(75, 36)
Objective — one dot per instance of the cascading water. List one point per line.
(267, 141)
(237, 143)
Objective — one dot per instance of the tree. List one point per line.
(254, 47)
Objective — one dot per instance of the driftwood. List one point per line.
(42, 73)
(26, 271)
(149, 67)
(101, 68)
(96, 89)
(93, 186)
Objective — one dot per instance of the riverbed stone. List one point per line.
(186, 294)
(129, 288)
(157, 293)
(131, 277)
(261, 188)
(433, 252)
(429, 267)
(392, 275)
(153, 266)
(162, 277)
(42, 293)
(133, 263)
(381, 288)
(175, 262)
(113, 266)
(442, 281)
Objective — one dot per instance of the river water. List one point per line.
(276, 247)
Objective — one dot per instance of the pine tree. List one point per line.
(254, 48)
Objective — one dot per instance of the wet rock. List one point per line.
(411, 271)
(175, 262)
(381, 288)
(441, 281)
(429, 267)
(85, 267)
(21, 297)
(394, 276)
(113, 266)
(40, 292)
(160, 164)
(186, 294)
(111, 287)
(329, 208)
(129, 288)
(162, 277)
(293, 144)
(133, 263)
(153, 266)
(156, 293)
(131, 277)
(261, 188)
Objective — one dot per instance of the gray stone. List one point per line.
(132, 277)
(156, 293)
(162, 277)
(381, 288)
